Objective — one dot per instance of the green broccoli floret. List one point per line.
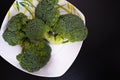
(47, 12)
(34, 55)
(13, 38)
(14, 29)
(17, 22)
(29, 62)
(51, 17)
(35, 29)
(69, 28)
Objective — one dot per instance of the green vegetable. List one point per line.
(51, 17)
(69, 28)
(47, 12)
(17, 22)
(34, 55)
(29, 62)
(13, 38)
(14, 30)
(35, 29)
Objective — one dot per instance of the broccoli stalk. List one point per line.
(54, 39)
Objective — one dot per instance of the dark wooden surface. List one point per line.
(99, 58)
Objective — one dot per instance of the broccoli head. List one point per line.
(34, 55)
(51, 17)
(35, 29)
(69, 28)
(17, 22)
(47, 12)
(13, 33)
(28, 62)
(13, 38)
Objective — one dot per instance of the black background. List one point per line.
(99, 58)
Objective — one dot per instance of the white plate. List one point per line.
(62, 56)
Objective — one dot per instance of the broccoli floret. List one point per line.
(35, 29)
(34, 55)
(47, 12)
(51, 17)
(17, 22)
(69, 28)
(13, 38)
(28, 62)
(13, 33)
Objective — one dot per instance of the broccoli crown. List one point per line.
(13, 33)
(47, 12)
(36, 46)
(28, 62)
(34, 55)
(17, 22)
(13, 38)
(35, 29)
(70, 27)
(51, 17)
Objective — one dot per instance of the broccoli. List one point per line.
(34, 55)
(35, 29)
(17, 22)
(47, 12)
(28, 62)
(69, 28)
(14, 29)
(51, 17)
(13, 38)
